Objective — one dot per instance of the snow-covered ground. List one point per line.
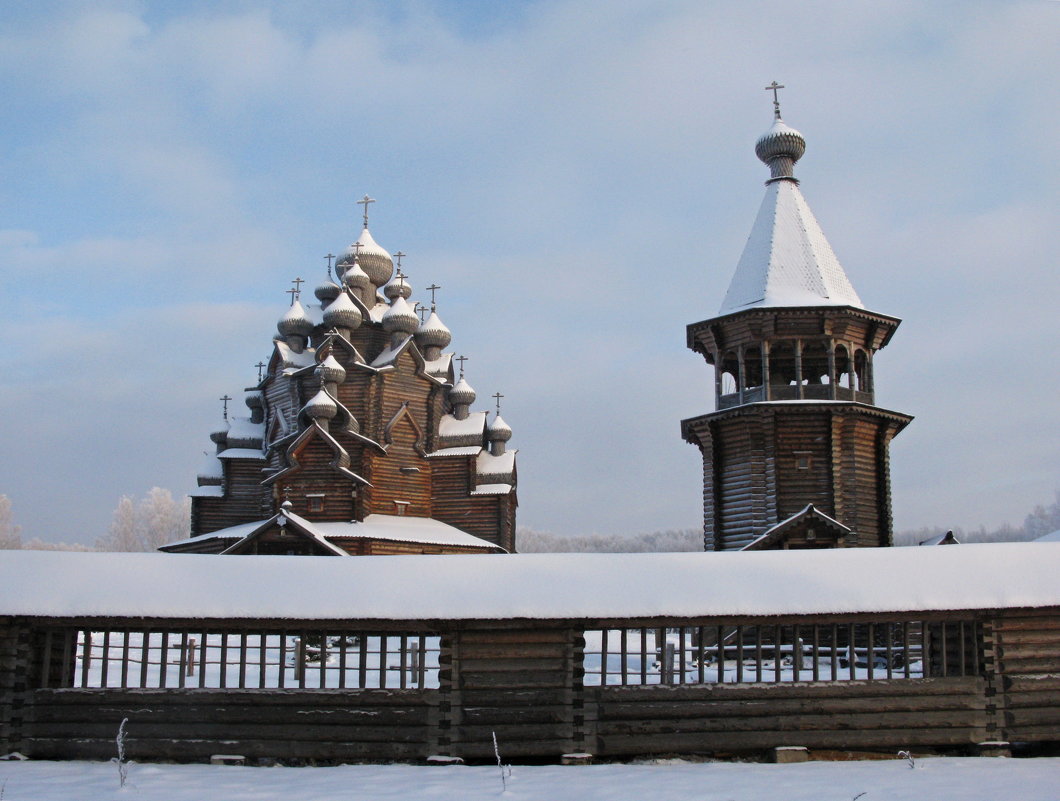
(963, 779)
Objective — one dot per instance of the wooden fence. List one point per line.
(405, 690)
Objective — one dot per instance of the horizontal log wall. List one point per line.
(194, 724)
(1027, 651)
(524, 680)
(624, 721)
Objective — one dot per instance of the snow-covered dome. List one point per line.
(327, 291)
(462, 393)
(252, 398)
(780, 147)
(400, 317)
(342, 313)
(432, 331)
(374, 260)
(499, 430)
(356, 278)
(295, 322)
(330, 371)
(219, 434)
(321, 406)
(399, 287)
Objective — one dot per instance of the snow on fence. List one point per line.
(124, 658)
(781, 653)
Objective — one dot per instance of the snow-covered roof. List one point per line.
(242, 430)
(492, 489)
(537, 586)
(489, 465)
(474, 425)
(469, 450)
(787, 260)
(241, 453)
(292, 360)
(423, 530)
(211, 467)
(207, 491)
(439, 366)
(389, 354)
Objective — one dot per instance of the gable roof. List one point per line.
(787, 260)
(772, 536)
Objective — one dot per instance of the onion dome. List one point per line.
(780, 147)
(321, 406)
(220, 434)
(499, 430)
(327, 291)
(252, 398)
(374, 260)
(330, 371)
(399, 288)
(295, 322)
(342, 313)
(462, 394)
(356, 278)
(433, 332)
(400, 317)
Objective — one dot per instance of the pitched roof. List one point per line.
(787, 260)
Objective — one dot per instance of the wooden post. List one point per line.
(667, 661)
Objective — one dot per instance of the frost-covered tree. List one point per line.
(156, 520)
(1043, 520)
(10, 534)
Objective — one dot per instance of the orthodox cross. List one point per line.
(329, 257)
(461, 359)
(421, 310)
(433, 288)
(357, 249)
(776, 102)
(364, 202)
(225, 400)
(401, 277)
(260, 366)
(399, 256)
(497, 396)
(294, 293)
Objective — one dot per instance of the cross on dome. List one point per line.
(497, 396)
(329, 257)
(461, 359)
(399, 256)
(293, 293)
(364, 202)
(225, 400)
(432, 289)
(776, 101)
(261, 366)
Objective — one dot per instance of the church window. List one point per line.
(315, 502)
(803, 460)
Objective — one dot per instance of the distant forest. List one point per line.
(158, 518)
(1042, 520)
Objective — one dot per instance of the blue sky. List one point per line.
(579, 177)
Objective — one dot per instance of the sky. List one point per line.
(578, 177)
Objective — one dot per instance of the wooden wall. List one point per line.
(524, 680)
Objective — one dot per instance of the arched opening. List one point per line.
(729, 368)
(752, 373)
(842, 366)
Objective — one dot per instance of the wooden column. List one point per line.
(767, 392)
(831, 369)
(798, 368)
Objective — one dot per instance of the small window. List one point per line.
(803, 460)
(315, 503)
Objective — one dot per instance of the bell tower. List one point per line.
(795, 454)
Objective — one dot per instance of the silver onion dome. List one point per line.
(295, 322)
(374, 260)
(433, 331)
(780, 147)
(400, 317)
(327, 291)
(356, 278)
(342, 313)
(399, 288)
(330, 371)
(499, 430)
(220, 433)
(252, 398)
(321, 406)
(462, 393)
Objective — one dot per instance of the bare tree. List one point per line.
(10, 534)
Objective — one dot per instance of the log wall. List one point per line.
(524, 681)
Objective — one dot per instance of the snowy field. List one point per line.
(954, 779)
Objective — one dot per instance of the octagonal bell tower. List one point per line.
(796, 453)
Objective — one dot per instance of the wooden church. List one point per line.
(360, 438)
(796, 453)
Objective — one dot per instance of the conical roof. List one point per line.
(787, 260)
